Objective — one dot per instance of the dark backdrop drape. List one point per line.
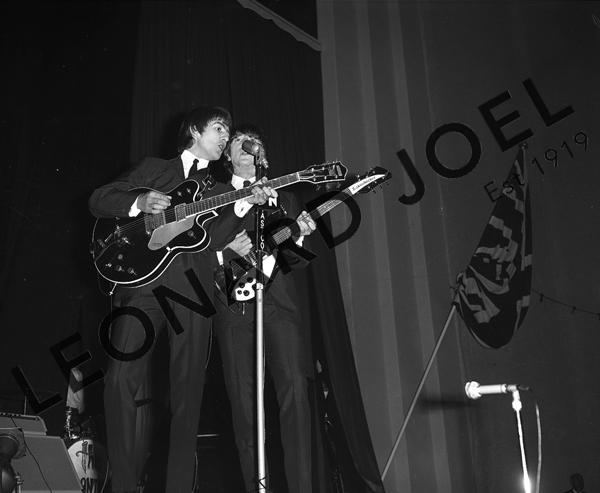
(66, 113)
(97, 86)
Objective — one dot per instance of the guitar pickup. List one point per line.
(180, 212)
(154, 221)
(242, 263)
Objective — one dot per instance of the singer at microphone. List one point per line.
(475, 391)
(284, 331)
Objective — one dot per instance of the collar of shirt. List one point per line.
(237, 182)
(188, 159)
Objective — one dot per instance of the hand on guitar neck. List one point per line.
(306, 223)
(261, 193)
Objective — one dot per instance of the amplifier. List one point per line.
(31, 425)
(46, 466)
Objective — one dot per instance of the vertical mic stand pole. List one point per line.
(259, 215)
(517, 405)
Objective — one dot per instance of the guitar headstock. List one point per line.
(369, 180)
(326, 172)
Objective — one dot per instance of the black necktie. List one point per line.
(246, 183)
(194, 169)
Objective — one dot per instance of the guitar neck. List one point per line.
(227, 198)
(287, 232)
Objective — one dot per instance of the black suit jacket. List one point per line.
(116, 198)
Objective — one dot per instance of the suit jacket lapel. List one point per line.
(178, 163)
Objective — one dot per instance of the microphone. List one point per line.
(475, 391)
(251, 147)
(255, 149)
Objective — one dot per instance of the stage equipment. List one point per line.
(12, 445)
(255, 149)
(42, 463)
(259, 241)
(90, 461)
(475, 391)
(30, 425)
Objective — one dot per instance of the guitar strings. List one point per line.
(225, 198)
(138, 222)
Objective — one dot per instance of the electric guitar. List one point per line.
(239, 283)
(135, 251)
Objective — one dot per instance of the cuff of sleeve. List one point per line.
(220, 257)
(241, 207)
(134, 210)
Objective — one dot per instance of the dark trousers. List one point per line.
(187, 360)
(284, 362)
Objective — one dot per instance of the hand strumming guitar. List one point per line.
(153, 202)
(241, 244)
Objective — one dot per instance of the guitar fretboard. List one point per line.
(227, 198)
(287, 232)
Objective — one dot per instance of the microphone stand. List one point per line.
(259, 215)
(517, 405)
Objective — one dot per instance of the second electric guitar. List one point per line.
(240, 281)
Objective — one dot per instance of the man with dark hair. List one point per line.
(287, 355)
(203, 137)
(198, 118)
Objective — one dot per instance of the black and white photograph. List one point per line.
(300, 246)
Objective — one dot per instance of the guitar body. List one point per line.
(135, 251)
(243, 284)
